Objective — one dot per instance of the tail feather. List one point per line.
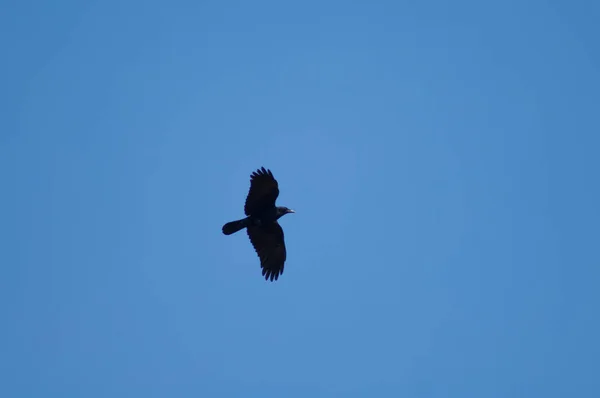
(234, 226)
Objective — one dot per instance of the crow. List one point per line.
(265, 233)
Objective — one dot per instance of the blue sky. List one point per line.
(442, 158)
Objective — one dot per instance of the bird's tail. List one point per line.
(234, 226)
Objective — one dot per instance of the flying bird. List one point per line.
(265, 233)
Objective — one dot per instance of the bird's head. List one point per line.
(282, 211)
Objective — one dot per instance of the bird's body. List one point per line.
(265, 233)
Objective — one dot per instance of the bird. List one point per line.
(263, 229)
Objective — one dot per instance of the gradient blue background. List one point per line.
(442, 158)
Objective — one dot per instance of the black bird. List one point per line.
(264, 231)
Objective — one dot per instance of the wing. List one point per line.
(269, 244)
(263, 192)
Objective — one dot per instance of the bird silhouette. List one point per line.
(265, 233)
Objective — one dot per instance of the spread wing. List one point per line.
(263, 191)
(269, 244)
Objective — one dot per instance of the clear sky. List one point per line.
(442, 158)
